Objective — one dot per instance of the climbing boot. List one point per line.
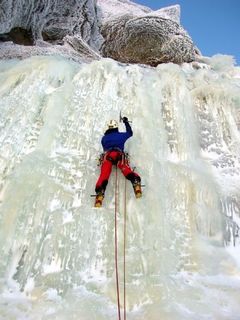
(99, 199)
(137, 189)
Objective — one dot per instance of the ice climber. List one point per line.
(113, 146)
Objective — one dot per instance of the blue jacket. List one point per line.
(114, 139)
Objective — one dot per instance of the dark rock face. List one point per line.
(147, 40)
(19, 36)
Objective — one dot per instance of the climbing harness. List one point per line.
(124, 156)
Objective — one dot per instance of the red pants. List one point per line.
(116, 158)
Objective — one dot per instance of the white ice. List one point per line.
(57, 251)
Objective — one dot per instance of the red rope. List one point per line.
(116, 244)
(124, 249)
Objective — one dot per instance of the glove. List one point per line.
(125, 119)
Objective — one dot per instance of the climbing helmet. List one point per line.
(113, 124)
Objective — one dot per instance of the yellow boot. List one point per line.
(137, 189)
(99, 199)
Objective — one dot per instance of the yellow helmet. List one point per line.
(112, 124)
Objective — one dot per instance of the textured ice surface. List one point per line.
(57, 251)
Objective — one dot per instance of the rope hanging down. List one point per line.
(116, 243)
(124, 247)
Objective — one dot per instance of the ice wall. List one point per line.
(57, 251)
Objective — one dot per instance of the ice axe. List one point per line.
(121, 118)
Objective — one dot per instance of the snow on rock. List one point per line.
(110, 8)
(83, 54)
(148, 39)
(88, 29)
(51, 20)
(113, 8)
(172, 13)
(136, 34)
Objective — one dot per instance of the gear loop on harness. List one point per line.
(121, 156)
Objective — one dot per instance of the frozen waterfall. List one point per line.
(57, 251)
